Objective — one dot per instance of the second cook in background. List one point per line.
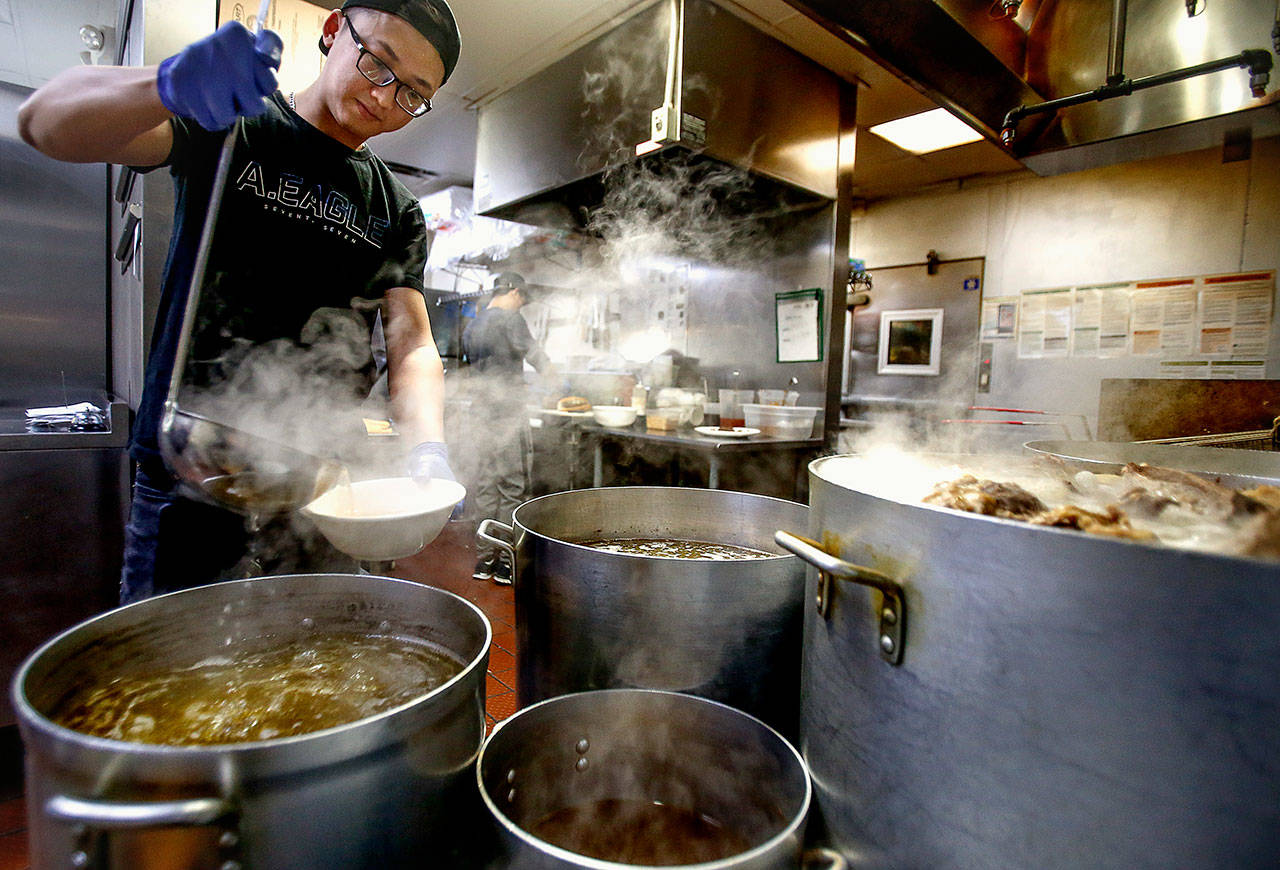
(497, 344)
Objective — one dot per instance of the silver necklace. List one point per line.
(291, 103)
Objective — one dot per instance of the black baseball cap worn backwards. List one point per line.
(432, 18)
(510, 281)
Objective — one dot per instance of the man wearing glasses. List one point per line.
(310, 220)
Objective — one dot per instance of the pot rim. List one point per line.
(772, 557)
(1025, 528)
(798, 820)
(29, 716)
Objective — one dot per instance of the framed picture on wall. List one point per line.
(910, 342)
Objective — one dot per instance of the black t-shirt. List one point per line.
(498, 341)
(306, 225)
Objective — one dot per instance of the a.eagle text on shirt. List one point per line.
(311, 202)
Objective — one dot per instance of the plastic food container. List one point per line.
(781, 421)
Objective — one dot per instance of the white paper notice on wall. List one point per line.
(1235, 314)
(1100, 320)
(1163, 317)
(1044, 323)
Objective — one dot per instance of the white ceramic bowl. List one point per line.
(614, 415)
(387, 518)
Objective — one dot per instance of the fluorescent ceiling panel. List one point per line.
(927, 131)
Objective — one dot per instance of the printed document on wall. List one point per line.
(1100, 321)
(1163, 317)
(1044, 323)
(1235, 315)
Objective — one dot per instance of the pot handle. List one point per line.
(501, 543)
(195, 812)
(822, 858)
(893, 610)
(93, 819)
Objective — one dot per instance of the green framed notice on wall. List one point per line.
(798, 320)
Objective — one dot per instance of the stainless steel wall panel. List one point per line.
(732, 318)
(907, 287)
(53, 254)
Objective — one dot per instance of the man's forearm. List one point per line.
(92, 114)
(414, 371)
(417, 395)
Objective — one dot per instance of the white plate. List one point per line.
(735, 432)
(558, 413)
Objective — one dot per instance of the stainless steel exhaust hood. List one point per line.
(1083, 46)
(679, 82)
(984, 59)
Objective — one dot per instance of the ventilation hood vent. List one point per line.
(681, 87)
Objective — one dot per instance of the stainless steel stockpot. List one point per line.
(590, 619)
(379, 792)
(979, 692)
(642, 745)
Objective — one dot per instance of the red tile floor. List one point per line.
(447, 564)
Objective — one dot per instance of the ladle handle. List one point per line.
(206, 241)
(483, 534)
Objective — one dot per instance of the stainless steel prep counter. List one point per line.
(62, 512)
(716, 451)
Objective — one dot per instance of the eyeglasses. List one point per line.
(377, 72)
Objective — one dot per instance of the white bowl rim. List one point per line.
(309, 511)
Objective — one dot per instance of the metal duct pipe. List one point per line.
(1115, 47)
(1257, 61)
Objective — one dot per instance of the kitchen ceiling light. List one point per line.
(927, 131)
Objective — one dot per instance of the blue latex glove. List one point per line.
(222, 76)
(429, 461)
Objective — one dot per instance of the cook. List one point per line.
(310, 218)
(497, 343)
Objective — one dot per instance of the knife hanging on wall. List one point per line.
(127, 244)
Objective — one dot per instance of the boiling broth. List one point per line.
(288, 689)
(677, 548)
(639, 832)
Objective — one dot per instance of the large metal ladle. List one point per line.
(215, 462)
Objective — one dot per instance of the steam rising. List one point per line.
(309, 394)
(667, 222)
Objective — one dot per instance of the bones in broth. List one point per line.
(677, 548)
(291, 688)
(1141, 502)
(646, 833)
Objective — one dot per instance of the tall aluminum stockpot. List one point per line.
(979, 692)
(635, 747)
(379, 792)
(590, 619)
